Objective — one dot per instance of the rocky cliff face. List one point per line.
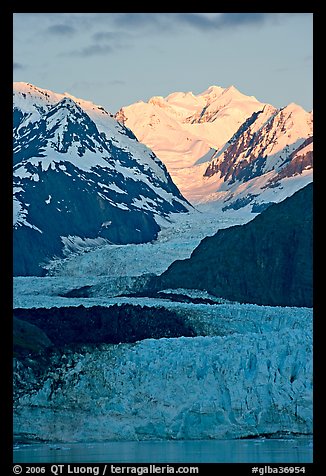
(267, 261)
(266, 142)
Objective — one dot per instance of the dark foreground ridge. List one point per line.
(96, 325)
(268, 261)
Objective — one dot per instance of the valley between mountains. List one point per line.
(163, 268)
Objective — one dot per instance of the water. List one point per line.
(296, 450)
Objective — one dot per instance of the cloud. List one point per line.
(17, 66)
(104, 36)
(61, 29)
(141, 19)
(103, 43)
(70, 23)
(90, 50)
(226, 20)
(219, 21)
(199, 21)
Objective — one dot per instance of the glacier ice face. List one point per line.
(234, 385)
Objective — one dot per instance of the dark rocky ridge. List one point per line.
(104, 325)
(29, 338)
(268, 261)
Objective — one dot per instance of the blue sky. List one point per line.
(115, 59)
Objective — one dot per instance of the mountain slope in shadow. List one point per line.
(268, 261)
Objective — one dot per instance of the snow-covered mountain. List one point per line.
(184, 129)
(224, 146)
(269, 158)
(80, 178)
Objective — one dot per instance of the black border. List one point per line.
(6, 347)
(6, 231)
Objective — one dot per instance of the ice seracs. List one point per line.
(253, 379)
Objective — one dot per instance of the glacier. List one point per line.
(248, 374)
